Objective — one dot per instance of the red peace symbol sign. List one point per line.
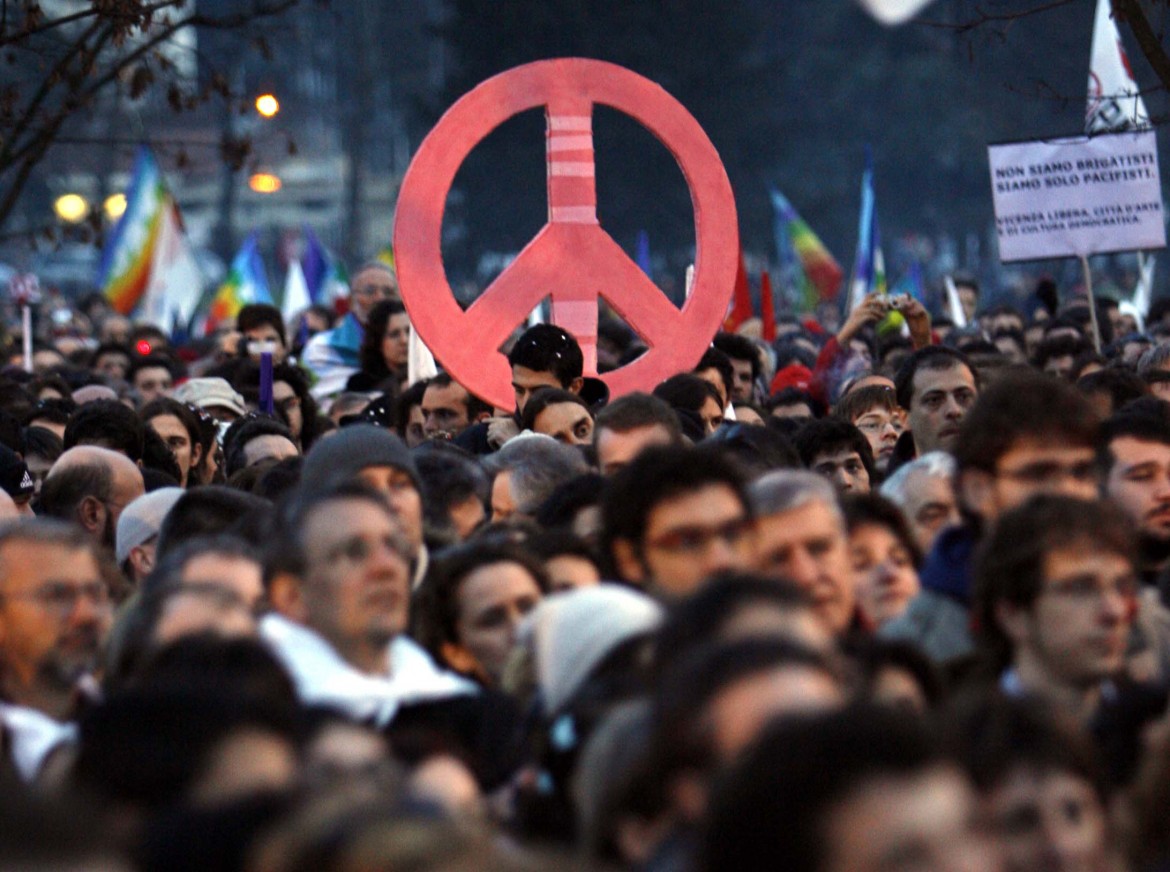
(572, 260)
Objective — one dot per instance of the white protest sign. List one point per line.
(1075, 197)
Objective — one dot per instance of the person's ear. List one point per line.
(196, 457)
(287, 598)
(576, 384)
(91, 514)
(142, 559)
(626, 560)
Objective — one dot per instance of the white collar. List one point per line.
(322, 677)
(34, 735)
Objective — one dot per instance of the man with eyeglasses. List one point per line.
(673, 518)
(1055, 596)
(338, 579)
(1027, 434)
(55, 614)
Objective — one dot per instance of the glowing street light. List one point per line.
(71, 208)
(114, 206)
(267, 105)
(264, 183)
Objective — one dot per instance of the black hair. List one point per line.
(166, 406)
(827, 435)
(991, 735)
(714, 358)
(874, 510)
(53, 411)
(1009, 565)
(542, 398)
(794, 397)
(699, 619)
(754, 449)
(634, 410)
(435, 606)
(930, 357)
(149, 361)
(778, 799)
(370, 359)
(255, 315)
(109, 424)
(738, 348)
(658, 474)
(1020, 404)
(157, 457)
(549, 348)
(567, 499)
(244, 430)
(449, 476)
(204, 511)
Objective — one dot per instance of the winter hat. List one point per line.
(342, 455)
(573, 632)
(141, 520)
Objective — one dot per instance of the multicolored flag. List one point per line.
(246, 283)
(148, 269)
(869, 267)
(1115, 103)
(820, 276)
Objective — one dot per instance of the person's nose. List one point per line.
(802, 568)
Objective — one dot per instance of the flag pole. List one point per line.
(1092, 303)
(27, 338)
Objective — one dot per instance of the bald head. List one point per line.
(90, 486)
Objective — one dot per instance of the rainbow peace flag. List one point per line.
(246, 283)
(869, 268)
(820, 275)
(127, 257)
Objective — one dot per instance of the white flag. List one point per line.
(954, 304)
(296, 293)
(420, 363)
(1115, 103)
(176, 282)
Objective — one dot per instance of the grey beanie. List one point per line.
(141, 520)
(340, 456)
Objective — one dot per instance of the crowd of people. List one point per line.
(892, 598)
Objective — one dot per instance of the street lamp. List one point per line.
(114, 206)
(71, 208)
(267, 105)
(264, 183)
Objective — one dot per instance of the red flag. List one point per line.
(741, 301)
(767, 309)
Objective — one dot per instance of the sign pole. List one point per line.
(26, 338)
(1092, 303)
(267, 406)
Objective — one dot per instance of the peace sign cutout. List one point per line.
(571, 259)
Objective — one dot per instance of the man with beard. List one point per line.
(1135, 458)
(55, 613)
(90, 486)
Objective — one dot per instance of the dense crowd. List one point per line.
(889, 598)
